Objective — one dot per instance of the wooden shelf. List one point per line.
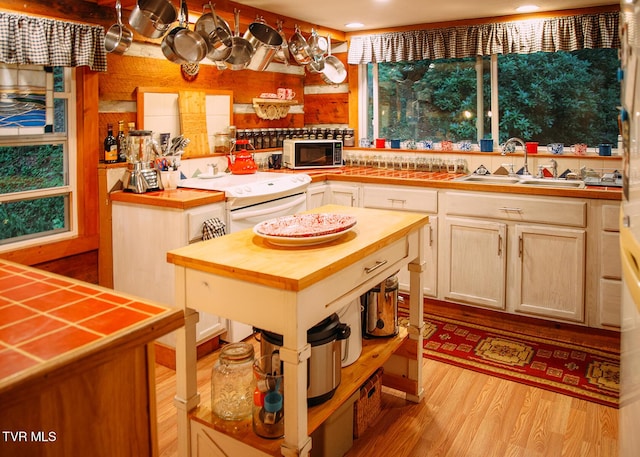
(375, 352)
(272, 108)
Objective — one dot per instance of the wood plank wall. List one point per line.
(324, 104)
(114, 99)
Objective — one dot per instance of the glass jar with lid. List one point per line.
(233, 383)
(273, 138)
(257, 139)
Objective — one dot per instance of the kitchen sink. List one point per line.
(525, 181)
(490, 179)
(547, 182)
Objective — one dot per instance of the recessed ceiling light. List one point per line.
(354, 25)
(527, 8)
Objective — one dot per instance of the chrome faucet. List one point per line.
(525, 168)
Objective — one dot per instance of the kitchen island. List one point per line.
(76, 366)
(287, 291)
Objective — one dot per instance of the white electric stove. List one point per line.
(251, 189)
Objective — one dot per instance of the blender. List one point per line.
(141, 176)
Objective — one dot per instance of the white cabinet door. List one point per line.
(549, 271)
(316, 195)
(430, 274)
(475, 258)
(342, 194)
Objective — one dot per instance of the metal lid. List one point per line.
(327, 330)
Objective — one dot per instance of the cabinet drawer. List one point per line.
(384, 258)
(570, 212)
(610, 218)
(198, 216)
(402, 198)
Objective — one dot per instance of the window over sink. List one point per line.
(559, 97)
(549, 80)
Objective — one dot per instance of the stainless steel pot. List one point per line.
(324, 364)
(265, 41)
(182, 45)
(241, 49)
(152, 18)
(299, 48)
(216, 33)
(316, 65)
(380, 314)
(352, 346)
(118, 38)
(317, 44)
(334, 71)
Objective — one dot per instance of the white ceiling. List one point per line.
(377, 14)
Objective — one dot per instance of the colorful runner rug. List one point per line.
(568, 369)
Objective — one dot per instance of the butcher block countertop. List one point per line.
(176, 198)
(51, 324)
(246, 256)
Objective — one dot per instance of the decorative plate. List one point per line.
(305, 229)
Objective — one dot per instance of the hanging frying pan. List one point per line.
(241, 50)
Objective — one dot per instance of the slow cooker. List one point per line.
(324, 364)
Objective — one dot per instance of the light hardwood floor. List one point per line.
(464, 413)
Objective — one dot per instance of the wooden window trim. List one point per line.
(87, 190)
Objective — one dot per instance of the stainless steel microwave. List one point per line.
(312, 153)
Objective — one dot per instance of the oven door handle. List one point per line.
(262, 212)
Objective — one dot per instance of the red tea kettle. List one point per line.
(241, 162)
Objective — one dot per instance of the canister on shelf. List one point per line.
(221, 142)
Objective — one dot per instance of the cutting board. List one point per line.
(193, 122)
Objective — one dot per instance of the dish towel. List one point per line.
(212, 228)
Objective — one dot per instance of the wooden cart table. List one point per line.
(288, 290)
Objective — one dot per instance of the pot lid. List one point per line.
(327, 330)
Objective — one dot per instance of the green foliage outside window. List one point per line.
(565, 97)
(25, 168)
(26, 218)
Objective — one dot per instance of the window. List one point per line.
(548, 97)
(37, 155)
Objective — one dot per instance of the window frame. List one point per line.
(364, 121)
(70, 144)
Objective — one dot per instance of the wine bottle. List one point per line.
(122, 143)
(110, 146)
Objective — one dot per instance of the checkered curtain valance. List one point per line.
(520, 37)
(41, 41)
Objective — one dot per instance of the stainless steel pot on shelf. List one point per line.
(325, 362)
(380, 309)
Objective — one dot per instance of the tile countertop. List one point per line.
(50, 322)
(189, 198)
